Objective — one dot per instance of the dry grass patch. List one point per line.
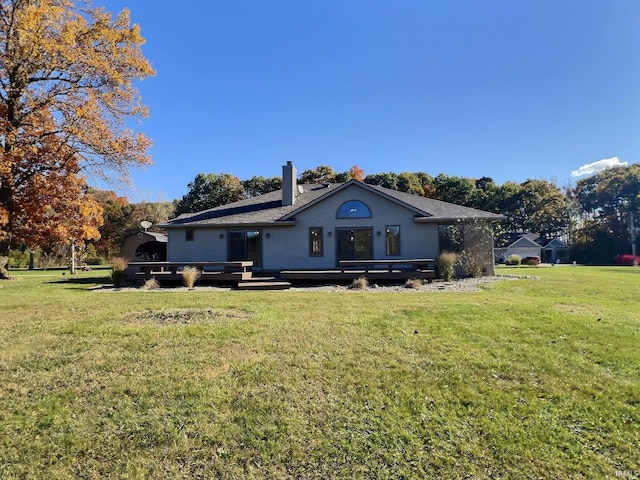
(184, 316)
(150, 284)
(414, 283)
(360, 283)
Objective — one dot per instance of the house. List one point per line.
(530, 245)
(554, 250)
(314, 227)
(144, 246)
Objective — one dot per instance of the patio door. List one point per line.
(245, 245)
(353, 244)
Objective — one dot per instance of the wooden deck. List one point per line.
(241, 275)
(348, 275)
(210, 272)
(374, 270)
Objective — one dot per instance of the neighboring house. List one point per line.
(144, 246)
(313, 227)
(530, 245)
(554, 250)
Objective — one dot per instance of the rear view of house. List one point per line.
(314, 227)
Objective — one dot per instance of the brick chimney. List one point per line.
(289, 184)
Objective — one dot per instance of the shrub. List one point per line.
(18, 259)
(150, 284)
(625, 259)
(359, 283)
(91, 256)
(414, 283)
(474, 236)
(94, 260)
(190, 276)
(118, 267)
(513, 260)
(445, 264)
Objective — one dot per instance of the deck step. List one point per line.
(262, 285)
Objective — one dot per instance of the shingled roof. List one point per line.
(267, 209)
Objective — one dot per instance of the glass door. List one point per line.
(245, 245)
(353, 244)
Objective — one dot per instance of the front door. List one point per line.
(353, 244)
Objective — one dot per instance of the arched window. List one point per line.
(353, 209)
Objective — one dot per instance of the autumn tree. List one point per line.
(154, 212)
(116, 212)
(209, 191)
(356, 173)
(66, 91)
(54, 208)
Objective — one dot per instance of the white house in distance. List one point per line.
(313, 227)
(531, 245)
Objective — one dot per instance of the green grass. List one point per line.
(531, 378)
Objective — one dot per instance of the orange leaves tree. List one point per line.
(66, 90)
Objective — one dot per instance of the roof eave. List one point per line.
(279, 223)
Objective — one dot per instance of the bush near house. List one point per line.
(625, 259)
(118, 267)
(446, 264)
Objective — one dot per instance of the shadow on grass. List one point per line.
(82, 280)
(620, 268)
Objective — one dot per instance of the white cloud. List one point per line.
(597, 167)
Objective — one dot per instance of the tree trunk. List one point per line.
(4, 273)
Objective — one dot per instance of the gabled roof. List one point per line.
(158, 237)
(525, 241)
(528, 240)
(267, 209)
(555, 243)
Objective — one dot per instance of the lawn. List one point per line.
(531, 378)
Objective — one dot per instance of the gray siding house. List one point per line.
(313, 227)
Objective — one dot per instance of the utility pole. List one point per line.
(73, 257)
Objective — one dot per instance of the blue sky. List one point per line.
(501, 88)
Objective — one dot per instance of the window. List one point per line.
(353, 209)
(449, 238)
(188, 235)
(392, 240)
(315, 242)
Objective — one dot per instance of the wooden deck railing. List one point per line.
(172, 270)
(416, 264)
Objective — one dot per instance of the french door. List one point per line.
(353, 244)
